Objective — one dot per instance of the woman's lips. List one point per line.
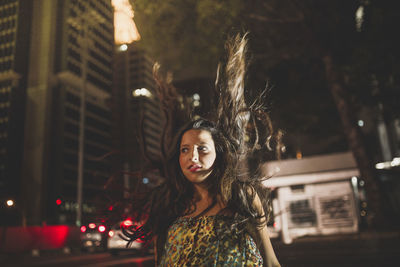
(194, 168)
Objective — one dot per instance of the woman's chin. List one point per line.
(197, 178)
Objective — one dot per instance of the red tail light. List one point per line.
(83, 228)
(102, 228)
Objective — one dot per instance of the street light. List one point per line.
(141, 92)
(10, 202)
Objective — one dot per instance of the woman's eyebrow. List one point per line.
(200, 143)
(203, 143)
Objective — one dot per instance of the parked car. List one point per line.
(116, 244)
(93, 236)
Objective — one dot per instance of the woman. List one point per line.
(209, 211)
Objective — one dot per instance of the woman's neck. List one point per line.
(201, 193)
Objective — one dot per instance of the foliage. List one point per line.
(186, 36)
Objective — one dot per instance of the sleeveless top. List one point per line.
(208, 241)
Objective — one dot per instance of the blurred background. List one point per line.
(79, 119)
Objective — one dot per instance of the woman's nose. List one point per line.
(195, 156)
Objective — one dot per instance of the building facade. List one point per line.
(56, 120)
(138, 113)
(85, 49)
(14, 35)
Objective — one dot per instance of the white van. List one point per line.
(314, 196)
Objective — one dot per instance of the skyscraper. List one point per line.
(55, 79)
(14, 37)
(138, 108)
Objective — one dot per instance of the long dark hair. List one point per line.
(237, 130)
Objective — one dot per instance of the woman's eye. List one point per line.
(203, 148)
(184, 150)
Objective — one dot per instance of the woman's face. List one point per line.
(197, 155)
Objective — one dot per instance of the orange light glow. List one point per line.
(92, 225)
(126, 31)
(299, 155)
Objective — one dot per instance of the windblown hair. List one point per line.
(237, 129)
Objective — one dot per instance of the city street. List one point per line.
(355, 250)
(119, 118)
(78, 259)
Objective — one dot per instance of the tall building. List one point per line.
(85, 49)
(139, 108)
(55, 79)
(14, 37)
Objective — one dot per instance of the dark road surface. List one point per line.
(356, 250)
(80, 259)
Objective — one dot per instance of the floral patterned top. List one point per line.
(207, 241)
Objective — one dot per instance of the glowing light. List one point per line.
(196, 99)
(10, 202)
(395, 162)
(123, 47)
(360, 123)
(102, 228)
(299, 155)
(92, 225)
(141, 92)
(145, 180)
(127, 223)
(380, 165)
(58, 202)
(83, 228)
(388, 164)
(111, 233)
(126, 31)
(359, 17)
